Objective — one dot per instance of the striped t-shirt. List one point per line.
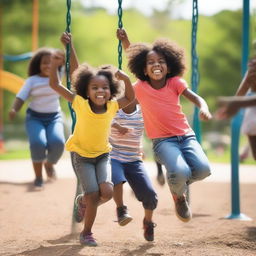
(127, 147)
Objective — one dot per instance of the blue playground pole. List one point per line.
(194, 65)
(236, 123)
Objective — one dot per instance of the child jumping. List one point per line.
(159, 68)
(95, 107)
(44, 124)
(127, 165)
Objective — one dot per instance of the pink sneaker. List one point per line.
(87, 239)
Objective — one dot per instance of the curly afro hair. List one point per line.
(174, 55)
(84, 73)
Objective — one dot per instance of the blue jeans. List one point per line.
(91, 172)
(184, 160)
(46, 136)
(138, 179)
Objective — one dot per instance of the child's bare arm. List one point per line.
(229, 106)
(129, 94)
(204, 112)
(123, 37)
(16, 106)
(249, 79)
(244, 86)
(121, 129)
(55, 82)
(66, 38)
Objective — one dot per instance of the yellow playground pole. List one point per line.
(35, 22)
(1, 90)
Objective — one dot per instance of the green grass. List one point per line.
(225, 158)
(21, 151)
(15, 154)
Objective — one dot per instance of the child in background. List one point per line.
(248, 84)
(159, 68)
(127, 165)
(95, 107)
(44, 123)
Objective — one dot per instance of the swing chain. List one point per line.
(194, 64)
(120, 25)
(195, 60)
(68, 21)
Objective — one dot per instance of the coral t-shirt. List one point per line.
(161, 109)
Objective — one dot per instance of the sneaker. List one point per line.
(123, 217)
(148, 230)
(38, 183)
(79, 208)
(182, 208)
(87, 239)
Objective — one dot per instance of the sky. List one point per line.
(206, 7)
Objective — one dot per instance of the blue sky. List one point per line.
(206, 7)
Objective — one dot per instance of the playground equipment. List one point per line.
(236, 123)
(9, 81)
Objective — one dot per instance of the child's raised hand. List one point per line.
(66, 38)
(121, 75)
(205, 114)
(121, 34)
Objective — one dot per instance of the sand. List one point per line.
(39, 223)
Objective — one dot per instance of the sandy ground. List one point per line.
(40, 223)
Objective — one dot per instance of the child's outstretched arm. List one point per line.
(129, 94)
(204, 112)
(248, 80)
(66, 38)
(123, 37)
(16, 106)
(229, 106)
(57, 60)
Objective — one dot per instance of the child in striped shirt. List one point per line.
(127, 165)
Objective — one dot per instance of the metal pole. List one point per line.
(35, 22)
(1, 90)
(236, 123)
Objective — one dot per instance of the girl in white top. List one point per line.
(44, 123)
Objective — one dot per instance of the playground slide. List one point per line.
(10, 82)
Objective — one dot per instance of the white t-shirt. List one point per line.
(43, 98)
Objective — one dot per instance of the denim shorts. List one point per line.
(91, 172)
